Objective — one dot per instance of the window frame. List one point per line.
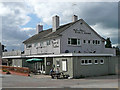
(89, 60)
(48, 43)
(35, 44)
(69, 40)
(82, 63)
(101, 62)
(58, 63)
(65, 60)
(95, 60)
(84, 41)
(89, 41)
(78, 41)
(28, 45)
(42, 44)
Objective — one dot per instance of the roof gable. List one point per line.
(49, 34)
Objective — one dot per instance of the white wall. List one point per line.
(70, 33)
(50, 49)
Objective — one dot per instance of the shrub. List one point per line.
(4, 70)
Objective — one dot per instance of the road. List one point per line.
(95, 82)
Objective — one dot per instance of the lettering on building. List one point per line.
(80, 31)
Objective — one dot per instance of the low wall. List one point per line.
(110, 51)
(16, 70)
(12, 53)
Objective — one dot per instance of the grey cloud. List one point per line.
(105, 13)
(93, 13)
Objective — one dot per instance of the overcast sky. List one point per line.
(19, 19)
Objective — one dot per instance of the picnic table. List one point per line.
(60, 75)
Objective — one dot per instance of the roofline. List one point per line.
(58, 28)
(94, 30)
(58, 55)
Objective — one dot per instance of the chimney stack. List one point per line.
(74, 18)
(55, 23)
(39, 28)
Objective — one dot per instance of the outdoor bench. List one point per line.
(60, 75)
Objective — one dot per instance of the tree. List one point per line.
(108, 43)
(117, 50)
(3, 48)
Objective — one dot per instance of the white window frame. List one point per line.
(28, 45)
(48, 42)
(96, 41)
(42, 44)
(58, 65)
(89, 60)
(69, 40)
(101, 62)
(78, 40)
(82, 63)
(94, 61)
(88, 41)
(83, 41)
(99, 42)
(64, 62)
(35, 44)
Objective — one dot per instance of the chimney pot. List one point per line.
(74, 18)
(39, 28)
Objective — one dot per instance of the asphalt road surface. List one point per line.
(13, 81)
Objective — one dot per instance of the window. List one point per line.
(98, 42)
(89, 41)
(82, 62)
(73, 41)
(69, 41)
(93, 42)
(35, 44)
(58, 63)
(48, 42)
(96, 61)
(41, 44)
(84, 41)
(89, 61)
(78, 42)
(101, 61)
(28, 45)
(64, 65)
(86, 61)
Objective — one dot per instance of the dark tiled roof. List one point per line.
(48, 33)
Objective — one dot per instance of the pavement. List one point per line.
(44, 81)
